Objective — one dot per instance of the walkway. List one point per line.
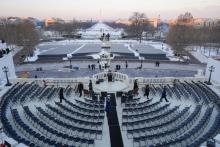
(131, 64)
(114, 127)
(130, 72)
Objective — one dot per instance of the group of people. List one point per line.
(163, 95)
(79, 90)
(157, 64)
(117, 67)
(91, 66)
(4, 52)
(105, 37)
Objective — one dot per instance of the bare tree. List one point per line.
(70, 28)
(137, 26)
(216, 37)
(186, 18)
(184, 33)
(181, 34)
(6, 31)
(27, 36)
(22, 34)
(179, 37)
(66, 29)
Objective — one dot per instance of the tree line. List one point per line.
(181, 35)
(22, 34)
(69, 29)
(184, 34)
(139, 25)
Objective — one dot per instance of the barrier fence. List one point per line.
(116, 76)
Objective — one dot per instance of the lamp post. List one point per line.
(69, 56)
(5, 69)
(211, 70)
(141, 62)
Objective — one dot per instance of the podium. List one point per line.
(109, 75)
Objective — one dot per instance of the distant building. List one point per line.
(123, 21)
(162, 30)
(52, 21)
(172, 22)
(49, 22)
(205, 22)
(16, 20)
(198, 22)
(153, 21)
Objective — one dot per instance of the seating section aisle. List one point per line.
(114, 126)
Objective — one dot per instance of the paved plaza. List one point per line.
(60, 70)
(129, 72)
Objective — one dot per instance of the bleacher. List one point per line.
(73, 123)
(32, 115)
(154, 123)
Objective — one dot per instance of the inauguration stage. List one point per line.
(111, 87)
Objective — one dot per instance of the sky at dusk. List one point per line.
(108, 9)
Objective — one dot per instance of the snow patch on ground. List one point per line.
(136, 54)
(98, 29)
(199, 56)
(35, 56)
(204, 53)
(77, 49)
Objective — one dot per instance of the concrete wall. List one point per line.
(216, 73)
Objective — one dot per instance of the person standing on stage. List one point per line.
(109, 75)
(61, 94)
(164, 95)
(147, 91)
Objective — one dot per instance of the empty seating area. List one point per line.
(32, 114)
(189, 118)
